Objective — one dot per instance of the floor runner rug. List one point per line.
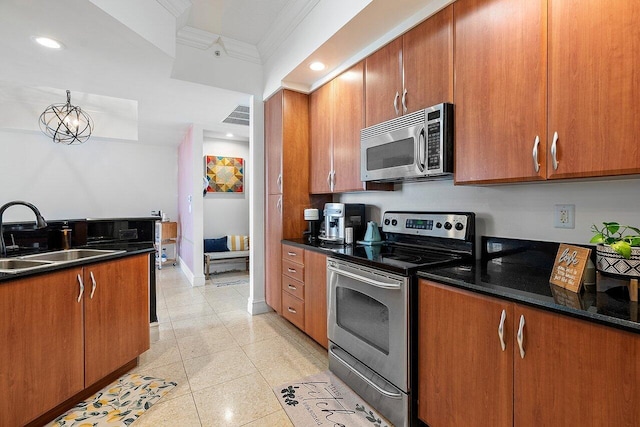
(324, 400)
(118, 404)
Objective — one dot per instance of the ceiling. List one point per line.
(105, 57)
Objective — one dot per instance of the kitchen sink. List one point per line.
(12, 265)
(70, 255)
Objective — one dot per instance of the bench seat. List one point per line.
(213, 257)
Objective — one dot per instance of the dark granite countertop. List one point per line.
(530, 285)
(128, 248)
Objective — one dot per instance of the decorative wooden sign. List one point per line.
(569, 267)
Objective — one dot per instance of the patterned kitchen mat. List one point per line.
(228, 279)
(118, 404)
(323, 399)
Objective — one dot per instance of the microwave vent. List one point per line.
(408, 120)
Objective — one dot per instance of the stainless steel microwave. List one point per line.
(416, 146)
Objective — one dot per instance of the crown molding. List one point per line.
(194, 37)
(240, 50)
(176, 7)
(288, 19)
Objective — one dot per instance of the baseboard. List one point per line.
(192, 278)
(257, 307)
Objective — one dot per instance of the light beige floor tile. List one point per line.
(184, 298)
(309, 344)
(192, 326)
(253, 331)
(180, 411)
(279, 373)
(189, 311)
(163, 315)
(208, 341)
(243, 290)
(219, 293)
(217, 368)
(239, 317)
(236, 402)
(221, 305)
(161, 353)
(282, 323)
(173, 372)
(277, 350)
(277, 419)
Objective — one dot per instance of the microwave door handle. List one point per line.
(422, 150)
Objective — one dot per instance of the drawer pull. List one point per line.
(291, 310)
(293, 288)
(536, 164)
(554, 151)
(503, 317)
(291, 270)
(292, 253)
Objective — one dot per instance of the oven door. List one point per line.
(368, 318)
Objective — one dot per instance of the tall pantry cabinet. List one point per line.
(287, 181)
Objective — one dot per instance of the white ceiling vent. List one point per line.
(239, 116)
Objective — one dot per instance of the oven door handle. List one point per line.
(363, 378)
(376, 283)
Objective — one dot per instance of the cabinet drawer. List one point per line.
(293, 310)
(295, 271)
(293, 287)
(293, 254)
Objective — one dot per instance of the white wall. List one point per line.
(520, 210)
(227, 213)
(97, 179)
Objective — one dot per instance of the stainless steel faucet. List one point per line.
(40, 222)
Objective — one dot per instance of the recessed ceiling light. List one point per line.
(47, 42)
(229, 135)
(317, 66)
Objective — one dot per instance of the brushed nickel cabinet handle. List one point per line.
(395, 103)
(292, 253)
(279, 181)
(554, 151)
(81, 287)
(93, 281)
(291, 310)
(521, 336)
(536, 164)
(293, 288)
(503, 317)
(279, 204)
(291, 270)
(404, 101)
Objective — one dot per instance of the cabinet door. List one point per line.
(273, 143)
(464, 375)
(574, 373)
(427, 55)
(348, 120)
(321, 153)
(42, 350)
(315, 284)
(273, 259)
(383, 76)
(594, 87)
(500, 90)
(116, 314)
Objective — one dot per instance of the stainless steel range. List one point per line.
(372, 299)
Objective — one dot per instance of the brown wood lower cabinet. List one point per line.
(573, 373)
(56, 339)
(304, 291)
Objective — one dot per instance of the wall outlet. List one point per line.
(565, 216)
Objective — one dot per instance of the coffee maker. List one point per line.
(313, 217)
(338, 216)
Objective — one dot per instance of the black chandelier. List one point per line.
(66, 123)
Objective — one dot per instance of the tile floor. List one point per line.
(224, 360)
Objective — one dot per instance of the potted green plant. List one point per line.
(618, 248)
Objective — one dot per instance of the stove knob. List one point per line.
(394, 222)
(459, 226)
(438, 225)
(447, 225)
(386, 221)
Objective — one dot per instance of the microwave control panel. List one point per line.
(434, 139)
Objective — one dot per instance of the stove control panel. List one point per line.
(432, 224)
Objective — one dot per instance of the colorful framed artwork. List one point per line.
(224, 174)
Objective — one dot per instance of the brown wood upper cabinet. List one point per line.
(412, 72)
(336, 116)
(537, 97)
